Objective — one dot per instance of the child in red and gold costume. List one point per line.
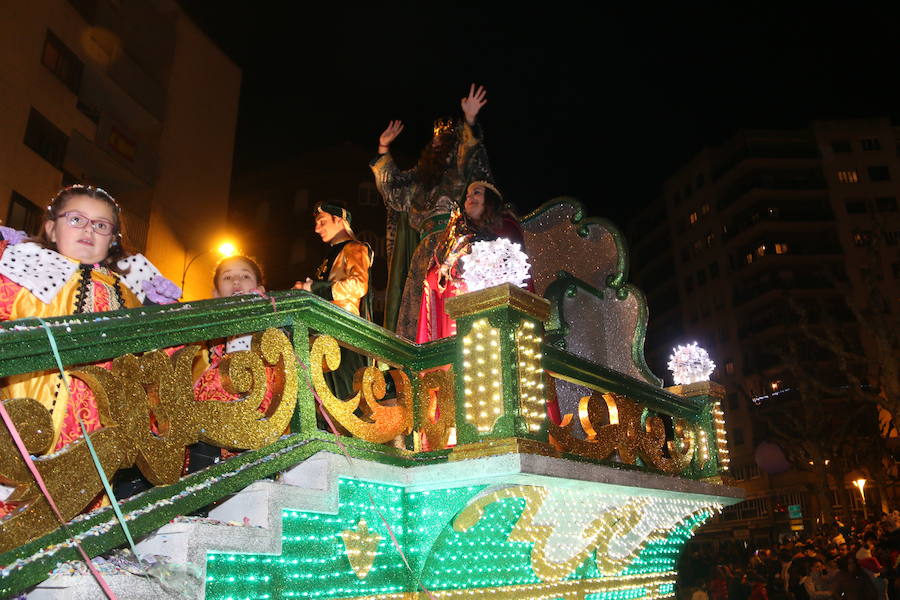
(77, 264)
(484, 218)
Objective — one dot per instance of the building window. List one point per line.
(698, 245)
(692, 218)
(86, 8)
(701, 277)
(879, 173)
(895, 269)
(734, 402)
(91, 112)
(704, 210)
(781, 248)
(870, 144)
(23, 214)
(862, 238)
(891, 238)
(46, 139)
(848, 177)
(749, 258)
(714, 270)
(761, 250)
(62, 62)
(710, 239)
(855, 207)
(729, 367)
(122, 144)
(886, 204)
(841, 146)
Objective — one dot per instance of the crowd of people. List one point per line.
(851, 562)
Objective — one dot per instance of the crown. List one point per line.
(444, 125)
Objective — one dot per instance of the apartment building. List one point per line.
(128, 96)
(740, 232)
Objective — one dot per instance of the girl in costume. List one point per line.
(77, 264)
(234, 276)
(484, 218)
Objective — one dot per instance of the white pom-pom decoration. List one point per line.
(690, 364)
(494, 262)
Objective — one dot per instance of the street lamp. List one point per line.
(225, 249)
(860, 485)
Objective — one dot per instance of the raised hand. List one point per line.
(472, 103)
(390, 134)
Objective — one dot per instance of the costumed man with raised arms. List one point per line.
(342, 278)
(420, 200)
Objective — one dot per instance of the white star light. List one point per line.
(495, 262)
(690, 364)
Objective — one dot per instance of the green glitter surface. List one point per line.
(313, 563)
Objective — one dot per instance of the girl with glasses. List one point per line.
(76, 264)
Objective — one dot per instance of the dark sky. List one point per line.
(597, 102)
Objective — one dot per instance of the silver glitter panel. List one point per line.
(553, 244)
(602, 331)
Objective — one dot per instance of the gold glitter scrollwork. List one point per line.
(381, 423)
(612, 423)
(682, 448)
(240, 423)
(438, 407)
(149, 416)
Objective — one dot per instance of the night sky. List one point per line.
(601, 103)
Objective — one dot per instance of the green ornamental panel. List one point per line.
(515, 542)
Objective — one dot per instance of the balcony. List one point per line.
(772, 180)
(100, 165)
(765, 149)
(779, 215)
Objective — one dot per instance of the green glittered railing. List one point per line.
(516, 388)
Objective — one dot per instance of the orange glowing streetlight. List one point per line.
(861, 485)
(225, 250)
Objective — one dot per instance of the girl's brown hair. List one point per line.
(492, 218)
(254, 266)
(57, 206)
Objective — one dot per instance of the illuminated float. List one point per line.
(449, 482)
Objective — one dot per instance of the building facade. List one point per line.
(741, 234)
(128, 96)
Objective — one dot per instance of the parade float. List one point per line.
(442, 477)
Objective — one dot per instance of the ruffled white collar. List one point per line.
(44, 272)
